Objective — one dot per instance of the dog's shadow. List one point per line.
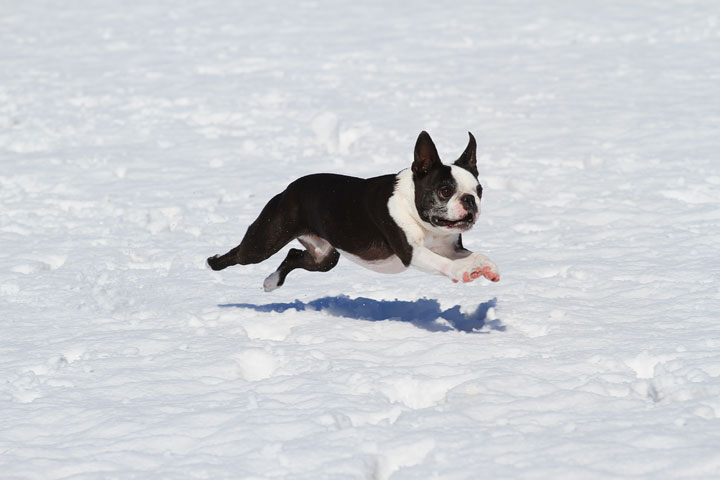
(423, 313)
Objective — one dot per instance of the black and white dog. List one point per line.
(388, 223)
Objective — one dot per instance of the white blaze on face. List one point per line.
(467, 185)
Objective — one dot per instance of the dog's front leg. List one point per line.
(464, 265)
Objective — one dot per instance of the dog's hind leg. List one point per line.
(320, 256)
(274, 228)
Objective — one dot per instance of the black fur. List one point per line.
(319, 205)
(468, 159)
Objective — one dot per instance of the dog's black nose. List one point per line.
(468, 202)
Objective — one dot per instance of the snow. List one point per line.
(137, 139)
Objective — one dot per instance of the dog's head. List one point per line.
(446, 196)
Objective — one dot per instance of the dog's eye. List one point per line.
(445, 192)
(479, 191)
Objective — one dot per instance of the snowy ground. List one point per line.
(138, 138)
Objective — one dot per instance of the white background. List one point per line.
(139, 138)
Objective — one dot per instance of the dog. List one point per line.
(415, 218)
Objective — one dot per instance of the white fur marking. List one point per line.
(318, 247)
(392, 264)
(403, 210)
(467, 185)
(271, 282)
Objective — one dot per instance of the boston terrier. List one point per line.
(387, 223)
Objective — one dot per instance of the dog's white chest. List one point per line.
(392, 264)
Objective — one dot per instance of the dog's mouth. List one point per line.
(465, 223)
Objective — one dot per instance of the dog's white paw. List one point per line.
(475, 266)
(272, 282)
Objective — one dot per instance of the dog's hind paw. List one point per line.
(213, 263)
(272, 282)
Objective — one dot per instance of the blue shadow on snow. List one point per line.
(423, 313)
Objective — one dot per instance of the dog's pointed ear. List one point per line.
(426, 155)
(468, 159)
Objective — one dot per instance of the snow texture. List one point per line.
(139, 138)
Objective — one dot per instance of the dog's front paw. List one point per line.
(473, 267)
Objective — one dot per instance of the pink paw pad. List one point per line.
(477, 273)
(490, 275)
(485, 272)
